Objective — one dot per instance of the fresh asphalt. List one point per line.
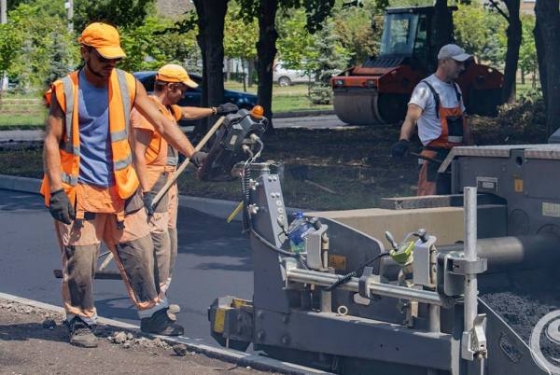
(214, 260)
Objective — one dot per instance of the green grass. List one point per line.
(21, 112)
(284, 99)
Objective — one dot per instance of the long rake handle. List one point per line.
(185, 163)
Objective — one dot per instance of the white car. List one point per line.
(287, 77)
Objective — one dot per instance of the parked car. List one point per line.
(193, 97)
(287, 77)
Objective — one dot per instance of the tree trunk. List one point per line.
(514, 36)
(442, 30)
(211, 16)
(266, 52)
(547, 29)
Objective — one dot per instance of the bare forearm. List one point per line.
(407, 129)
(52, 163)
(196, 113)
(412, 115)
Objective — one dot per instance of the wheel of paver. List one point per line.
(284, 81)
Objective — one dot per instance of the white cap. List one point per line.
(453, 51)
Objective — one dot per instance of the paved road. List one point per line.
(214, 260)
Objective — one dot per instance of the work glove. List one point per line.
(198, 158)
(400, 148)
(148, 198)
(226, 108)
(60, 207)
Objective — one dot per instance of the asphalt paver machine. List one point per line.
(453, 284)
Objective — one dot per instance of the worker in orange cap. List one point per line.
(91, 188)
(156, 162)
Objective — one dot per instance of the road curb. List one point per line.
(233, 356)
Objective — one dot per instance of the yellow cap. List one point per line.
(175, 73)
(104, 38)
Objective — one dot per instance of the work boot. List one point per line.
(81, 334)
(172, 310)
(161, 324)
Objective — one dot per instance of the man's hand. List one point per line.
(148, 198)
(226, 108)
(198, 158)
(400, 148)
(60, 207)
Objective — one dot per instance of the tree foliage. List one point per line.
(528, 53)
(40, 51)
(155, 43)
(124, 13)
(480, 32)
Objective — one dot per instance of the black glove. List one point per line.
(60, 207)
(148, 198)
(400, 148)
(226, 108)
(198, 158)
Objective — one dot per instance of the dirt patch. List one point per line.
(34, 341)
(354, 162)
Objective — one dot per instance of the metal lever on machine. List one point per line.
(391, 240)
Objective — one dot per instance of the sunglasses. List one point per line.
(104, 60)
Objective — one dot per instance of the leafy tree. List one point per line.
(316, 52)
(527, 52)
(265, 12)
(514, 34)
(124, 13)
(360, 31)
(476, 29)
(40, 42)
(60, 59)
(240, 37)
(155, 43)
(10, 45)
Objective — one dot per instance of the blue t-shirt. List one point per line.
(96, 162)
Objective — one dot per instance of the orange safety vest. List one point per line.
(122, 92)
(452, 122)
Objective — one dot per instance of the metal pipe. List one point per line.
(297, 275)
(471, 286)
(505, 254)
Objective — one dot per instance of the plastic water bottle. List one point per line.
(297, 232)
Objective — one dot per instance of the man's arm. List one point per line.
(166, 127)
(412, 115)
(196, 113)
(141, 140)
(51, 147)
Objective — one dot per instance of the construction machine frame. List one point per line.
(349, 304)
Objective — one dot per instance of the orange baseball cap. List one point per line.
(175, 73)
(104, 38)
